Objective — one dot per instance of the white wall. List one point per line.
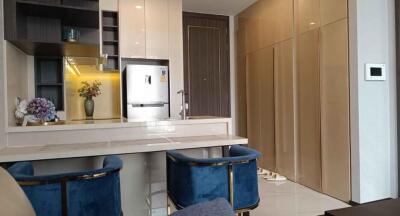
(176, 55)
(17, 77)
(373, 112)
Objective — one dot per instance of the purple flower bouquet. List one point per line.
(42, 109)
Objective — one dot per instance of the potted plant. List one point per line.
(89, 91)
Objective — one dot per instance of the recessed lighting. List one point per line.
(139, 6)
(312, 23)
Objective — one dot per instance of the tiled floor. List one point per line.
(291, 199)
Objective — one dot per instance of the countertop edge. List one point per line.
(94, 126)
(35, 153)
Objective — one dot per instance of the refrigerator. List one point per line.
(147, 92)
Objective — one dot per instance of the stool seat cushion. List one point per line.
(217, 207)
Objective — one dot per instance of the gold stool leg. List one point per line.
(168, 207)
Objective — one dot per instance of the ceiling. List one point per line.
(219, 7)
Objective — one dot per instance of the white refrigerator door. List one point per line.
(147, 84)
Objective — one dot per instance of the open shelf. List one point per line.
(49, 78)
(110, 28)
(36, 26)
(110, 39)
(70, 15)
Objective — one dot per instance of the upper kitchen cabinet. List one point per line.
(37, 27)
(156, 16)
(132, 28)
(333, 10)
(308, 15)
(144, 29)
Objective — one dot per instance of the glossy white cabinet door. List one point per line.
(132, 28)
(157, 27)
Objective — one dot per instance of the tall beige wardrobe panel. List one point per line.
(261, 105)
(253, 103)
(157, 28)
(332, 10)
(241, 108)
(284, 109)
(132, 28)
(335, 137)
(267, 107)
(309, 144)
(308, 15)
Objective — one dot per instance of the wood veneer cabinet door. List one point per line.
(335, 131)
(283, 26)
(260, 99)
(253, 102)
(332, 11)
(241, 101)
(267, 107)
(308, 15)
(254, 27)
(309, 137)
(132, 28)
(241, 35)
(157, 29)
(284, 108)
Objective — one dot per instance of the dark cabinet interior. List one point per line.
(110, 39)
(49, 80)
(36, 26)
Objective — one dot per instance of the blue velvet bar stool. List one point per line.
(191, 181)
(90, 193)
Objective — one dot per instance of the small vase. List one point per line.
(89, 108)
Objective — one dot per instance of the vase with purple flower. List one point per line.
(89, 91)
(42, 110)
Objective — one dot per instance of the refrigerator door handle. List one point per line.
(150, 105)
(148, 79)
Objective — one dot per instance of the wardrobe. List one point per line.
(292, 78)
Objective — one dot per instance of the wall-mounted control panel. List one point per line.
(375, 72)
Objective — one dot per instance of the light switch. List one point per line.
(375, 72)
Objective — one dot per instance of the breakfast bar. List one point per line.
(141, 145)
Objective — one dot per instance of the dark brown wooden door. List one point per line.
(206, 63)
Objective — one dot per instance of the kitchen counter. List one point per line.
(98, 137)
(13, 154)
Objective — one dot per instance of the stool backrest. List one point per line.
(91, 192)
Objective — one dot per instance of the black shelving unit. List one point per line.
(35, 26)
(110, 39)
(49, 80)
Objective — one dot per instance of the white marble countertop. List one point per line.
(115, 123)
(13, 154)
